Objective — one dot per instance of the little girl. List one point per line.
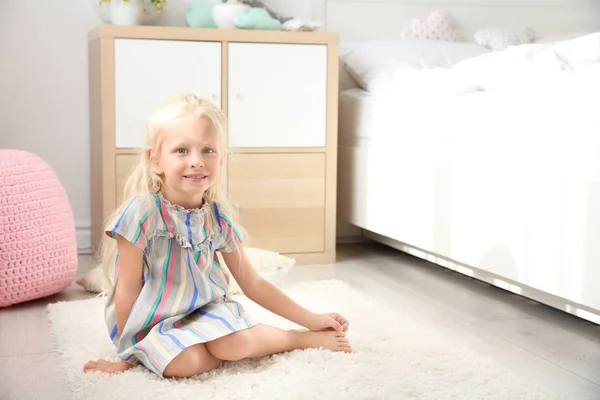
(168, 308)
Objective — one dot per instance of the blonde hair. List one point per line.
(144, 182)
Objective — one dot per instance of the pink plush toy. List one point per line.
(38, 250)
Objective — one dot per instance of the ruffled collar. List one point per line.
(180, 209)
(191, 227)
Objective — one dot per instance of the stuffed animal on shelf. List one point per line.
(287, 23)
(261, 5)
(243, 14)
(200, 15)
(256, 18)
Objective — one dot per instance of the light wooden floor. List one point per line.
(558, 350)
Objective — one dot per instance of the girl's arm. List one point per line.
(128, 289)
(265, 294)
(130, 281)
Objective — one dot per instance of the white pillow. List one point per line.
(373, 64)
(497, 39)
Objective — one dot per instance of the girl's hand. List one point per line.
(335, 321)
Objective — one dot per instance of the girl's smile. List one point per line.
(195, 178)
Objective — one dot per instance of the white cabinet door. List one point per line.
(149, 72)
(277, 95)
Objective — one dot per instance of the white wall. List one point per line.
(44, 85)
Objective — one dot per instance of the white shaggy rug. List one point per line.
(393, 358)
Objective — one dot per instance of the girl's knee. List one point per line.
(233, 347)
(192, 361)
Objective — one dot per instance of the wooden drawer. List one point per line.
(281, 200)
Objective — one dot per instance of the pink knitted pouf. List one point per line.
(38, 249)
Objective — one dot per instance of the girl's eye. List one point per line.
(181, 150)
(209, 151)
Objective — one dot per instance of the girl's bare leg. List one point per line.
(192, 361)
(263, 340)
(258, 341)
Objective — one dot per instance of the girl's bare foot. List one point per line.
(107, 366)
(330, 340)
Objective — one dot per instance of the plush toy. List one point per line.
(273, 14)
(200, 15)
(497, 39)
(287, 23)
(255, 15)
(256, 18)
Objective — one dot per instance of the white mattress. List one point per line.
(561, 130)
(380, 119)
(360, 119)
(383, 120)
(355, 116)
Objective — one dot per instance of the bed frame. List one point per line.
(361, 20)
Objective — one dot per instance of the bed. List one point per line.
(493, 174)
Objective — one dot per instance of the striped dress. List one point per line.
(184, 298)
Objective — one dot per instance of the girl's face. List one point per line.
(189, 160)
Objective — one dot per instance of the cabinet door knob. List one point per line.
(239, 97)
(214, 96)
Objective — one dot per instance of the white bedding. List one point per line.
(561, 132)
(382, 118)
(571, 65)
(532, 101)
